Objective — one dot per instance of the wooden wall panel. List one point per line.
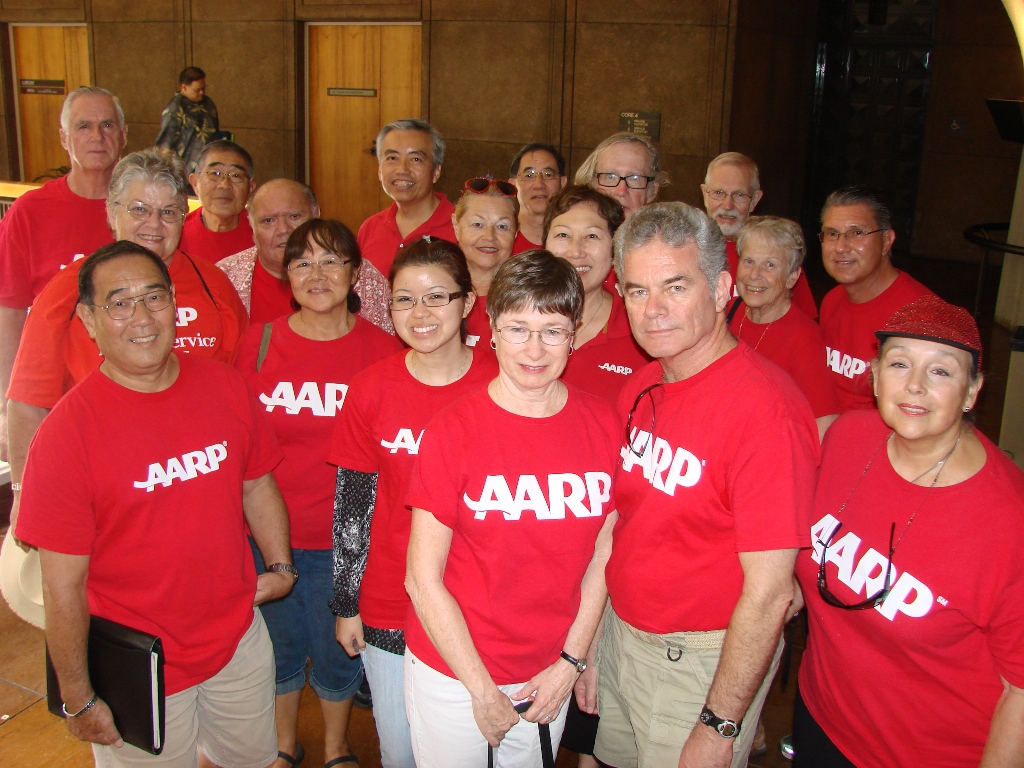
(121, 11)
(144, 87)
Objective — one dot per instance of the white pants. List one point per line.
(445, 734)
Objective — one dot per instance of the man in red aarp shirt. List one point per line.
(64, 220)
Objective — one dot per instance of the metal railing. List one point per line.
(980, 234)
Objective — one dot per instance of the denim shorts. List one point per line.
(301, 627)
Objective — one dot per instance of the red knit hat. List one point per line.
(932, 319)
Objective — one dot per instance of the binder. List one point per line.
(126, 668)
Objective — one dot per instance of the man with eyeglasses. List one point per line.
(856, 245)
(410, 153)
(138, 491)
(223, 179)
(538, 171)
(258, 273)
(732, 190)
(714, 491)
(625, 167)
(47, 228)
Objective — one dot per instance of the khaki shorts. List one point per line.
(651, 689)
(230, 716)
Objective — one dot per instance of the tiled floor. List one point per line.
(30, 737)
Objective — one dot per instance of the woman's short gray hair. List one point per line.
(780, 232)
(151, 166)
(676, 225)
(414, 124)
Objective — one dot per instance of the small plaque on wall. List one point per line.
(371, 92)
(51, 87)
(641, 123)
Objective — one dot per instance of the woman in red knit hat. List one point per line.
(914, 582)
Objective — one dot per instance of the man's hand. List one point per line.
(798, 602)
(586, 690)
(706, 749)
(272, 586)
(96, 725)
(349, 633)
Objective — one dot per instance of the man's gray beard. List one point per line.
(731, 229)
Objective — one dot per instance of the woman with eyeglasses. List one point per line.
(915, 583)
(511, 529)
(770, 251)
(580, 225)
(300, 366)
(375, 443)
(146, 205)
(486, 220)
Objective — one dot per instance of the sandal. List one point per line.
(340, 760)
(294, 762)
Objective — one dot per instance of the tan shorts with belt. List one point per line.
(651, 690)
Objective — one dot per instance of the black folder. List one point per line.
(126, 668)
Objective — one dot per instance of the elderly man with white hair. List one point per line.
(64, 220)
(732, 190)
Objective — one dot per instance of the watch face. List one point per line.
(727, 729)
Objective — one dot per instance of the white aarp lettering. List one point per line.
(185, 316)
(898, 600)
(582, 496)
(186, 467)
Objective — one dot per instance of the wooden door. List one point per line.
(359, 78)
(50, 61)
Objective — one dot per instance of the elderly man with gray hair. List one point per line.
(258, 273)
(713, 489)
(409, 157)
(48, 228)
(625, 167)
(732, 190)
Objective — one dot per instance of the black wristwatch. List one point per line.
(284, 568)
(580, 664)
(727, 729)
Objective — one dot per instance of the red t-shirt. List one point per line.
(525, 499)
(158, 508)
(198, 241)
(848, 331)
(379, 238)
(46, 229)
(915, 680)
(302, 384)
(522, 244)
(803, 299)
(270, 298)
(478, 325)
(385, 415)
(793, 342)
(56, 351)
(732, 470)
(602, 365)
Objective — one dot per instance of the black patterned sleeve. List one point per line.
(354, 497)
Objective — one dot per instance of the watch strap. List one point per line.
(580, 664)
(727, 729)
(284, 568)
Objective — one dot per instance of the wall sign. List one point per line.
(50, 87)
(641, 123)
(352, 92)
